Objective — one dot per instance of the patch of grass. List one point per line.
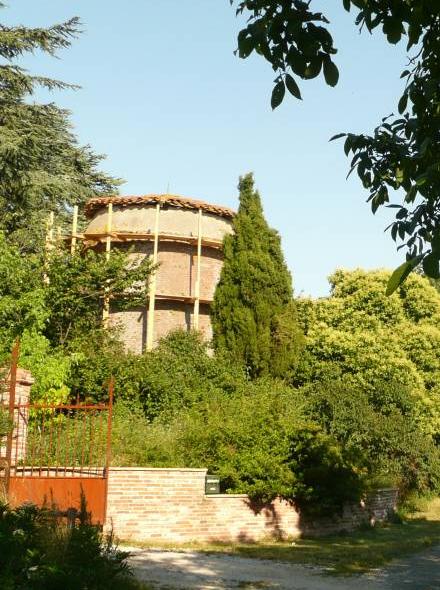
(359, 552)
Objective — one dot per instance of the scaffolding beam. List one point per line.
(153, 283)
(198, 272)
(108, 246)
(74, 230)
(48, 245)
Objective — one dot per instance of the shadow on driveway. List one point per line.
(201, 571)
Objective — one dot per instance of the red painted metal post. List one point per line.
(11, 409)
(109, 441)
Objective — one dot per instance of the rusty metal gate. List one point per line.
(57, 454)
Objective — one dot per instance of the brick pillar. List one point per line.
(22, 396)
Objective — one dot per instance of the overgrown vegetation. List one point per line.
(42, 166)
(54, 303)
(400, 159)
(359, 412)
(40, 552)
(321, 444)
(315, 401)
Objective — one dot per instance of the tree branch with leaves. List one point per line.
(401, 159)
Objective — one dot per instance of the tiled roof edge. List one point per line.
(170, 200)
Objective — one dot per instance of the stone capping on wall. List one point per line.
(182, 469)
(24, 377)
(169, 505)
(24, 382)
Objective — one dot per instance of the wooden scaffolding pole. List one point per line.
(48, 244)
(74, 230)
(198, 269)
(153, 283)
(108, 245)
(59, 237)
(49, 236)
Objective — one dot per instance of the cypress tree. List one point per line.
(42, 166)
(253, 314)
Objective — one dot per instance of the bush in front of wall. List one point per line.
(38, 552)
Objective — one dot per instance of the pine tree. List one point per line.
(42, 166)
(253, 314)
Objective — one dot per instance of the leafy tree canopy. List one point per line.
(385, 345)
(42, 166)
(401, 158)
(55, 305)
(321, 445)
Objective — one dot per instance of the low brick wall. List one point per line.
(377, 507)
(170, 505)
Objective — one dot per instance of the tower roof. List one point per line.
(169, 200)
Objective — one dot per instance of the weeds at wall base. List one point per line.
(366, 549)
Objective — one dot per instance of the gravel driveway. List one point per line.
(191, 571)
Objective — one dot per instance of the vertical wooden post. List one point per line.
(108, 240)
(108, 245)
(59, 237)
(152, 286)
(49, 243)
(74, 230)
(198, 268)
(11, 410)
(111, 388)
(50, 223)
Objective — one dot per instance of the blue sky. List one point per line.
(166, 99)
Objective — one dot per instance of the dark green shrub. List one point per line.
(176, 375)
(326, 473)
(38, 552)
(244, 438)
(379, 430)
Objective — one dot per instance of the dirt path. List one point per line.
(198, 571)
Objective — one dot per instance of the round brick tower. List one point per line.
(184, 236)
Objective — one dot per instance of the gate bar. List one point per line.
(111, 387)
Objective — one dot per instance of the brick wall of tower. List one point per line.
(175, 277)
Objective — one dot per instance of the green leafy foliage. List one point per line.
(320, 445)
(38, 552)
(77, 286)
(63, 296)
(5, 422)
(250, 454)
(327, 473)
(403, 153)
(253, 300)
(371, 339)
(401, 158)
(176, 375)
(42, 166)
(290, 36)
(379, 433)
(60, 321)
(21, 294)
(50, 368)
